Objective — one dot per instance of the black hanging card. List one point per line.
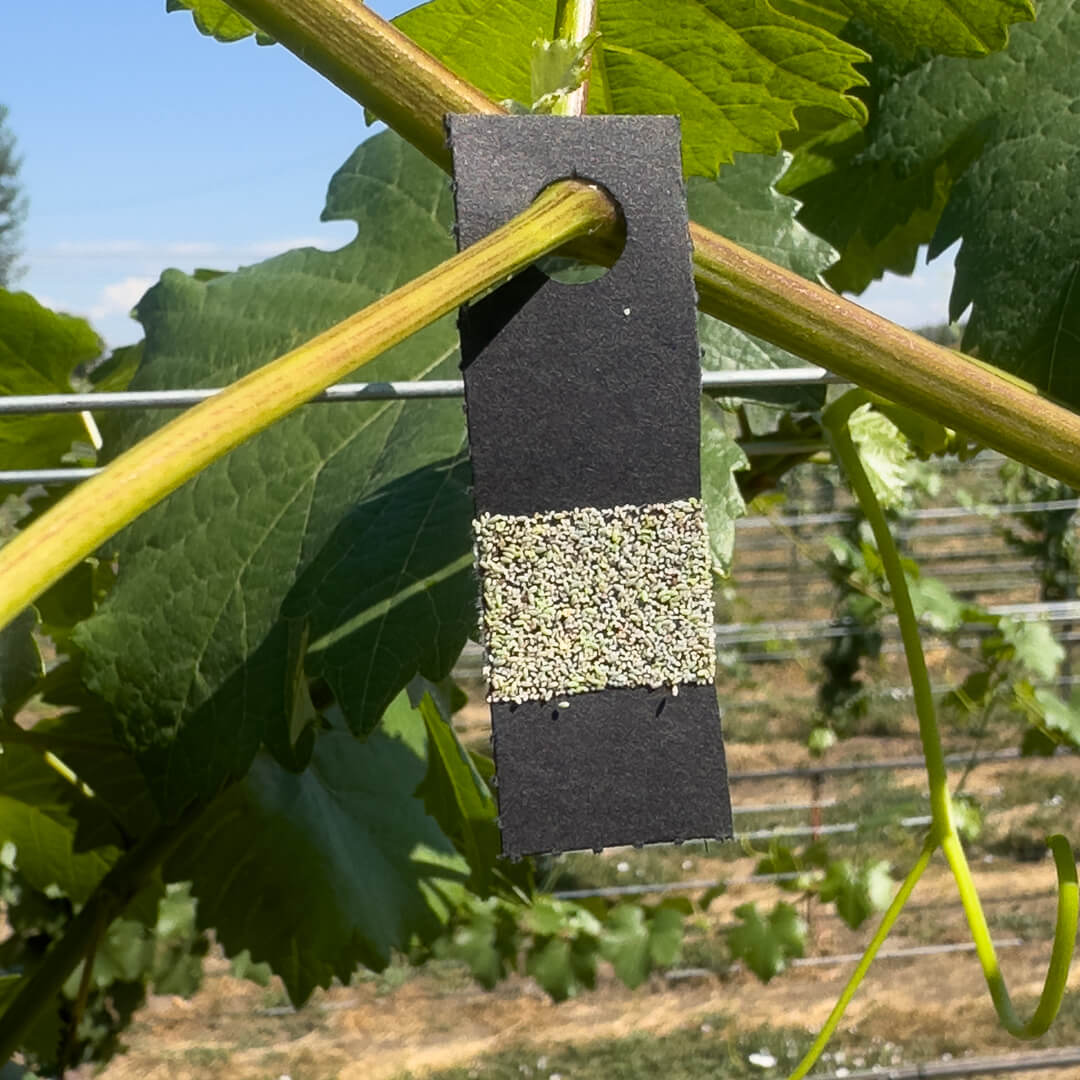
(583, 413)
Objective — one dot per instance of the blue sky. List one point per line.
(146, 145)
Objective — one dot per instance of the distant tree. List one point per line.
(12, 204)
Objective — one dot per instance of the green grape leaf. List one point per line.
(546, 916)
(457, 797)
(317, 872)
(39, 353)
(735, 70)
(118, 370)
(563, 966)
(1060, 719)
(743, 205)
(550, 964)
(241, 966)
(1034, 647)
(967, 817)
(21, 666)
(216, 19)
(885, 455)
(985, 152)
(626, 944)
(558, 68)
(949, 27)
(934, 604)
(721, 457)
(85, 738)
(782, 859)
(857, 891)
(820, 741)
(351, 518)
(766, 945)
(666, 926)
(73, 598)
(42, 1039)
(40, 814)
(485, 939)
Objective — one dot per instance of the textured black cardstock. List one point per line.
(588, 395)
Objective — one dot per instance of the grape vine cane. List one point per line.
(595, 570)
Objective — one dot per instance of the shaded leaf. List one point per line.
(87, 744)
(21, 666)
(42, 1040)
(317, 872)
(563, 966)
(457, 797)
(40, 814)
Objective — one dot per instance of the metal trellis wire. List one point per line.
(717, 383)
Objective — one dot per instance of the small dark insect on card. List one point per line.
(592, 553)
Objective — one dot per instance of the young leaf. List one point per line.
(318, 872)
(735, 70)
(338, 514)
(766, 945)
(885, 454)
(21, 666)
(485, 939)
(934, 604)
(1035, 647)
(666, 925)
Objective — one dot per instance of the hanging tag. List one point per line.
(592, 553)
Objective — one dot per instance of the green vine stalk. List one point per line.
(575, 22)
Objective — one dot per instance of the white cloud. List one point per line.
(120, 297)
